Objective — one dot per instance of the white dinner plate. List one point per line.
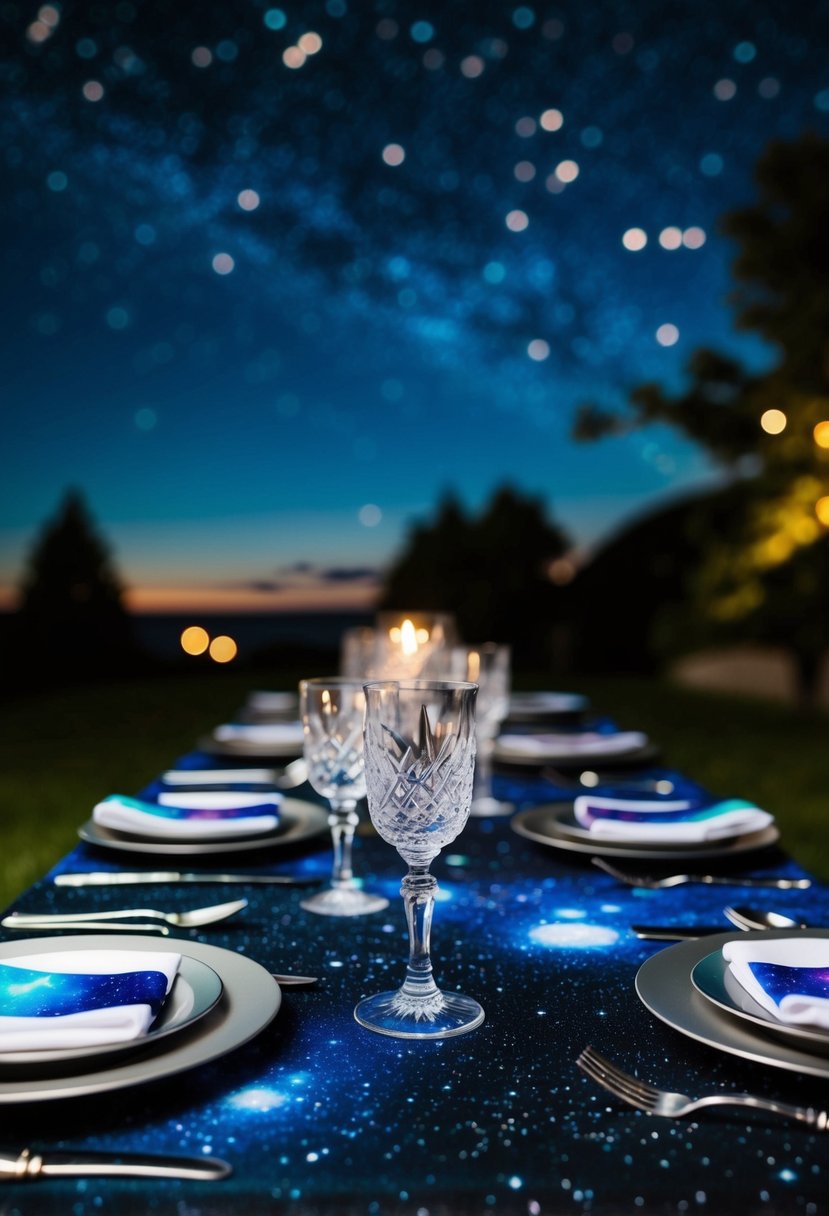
(555, 825)
(664, 986)
(194, 992)
(279, 749)
(298, 821)
(249, 1001)
(715, 980)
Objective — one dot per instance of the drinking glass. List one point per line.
(332, 712)
(488, 666)
(405, 641)
(420, 757)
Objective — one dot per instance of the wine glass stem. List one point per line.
(418, 890)
(342, 821)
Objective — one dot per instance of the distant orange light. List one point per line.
(822, 510)
(223, 649)
(773, 422)
(821, 434)
(195, 640)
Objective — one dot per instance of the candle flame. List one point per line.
(408, 638)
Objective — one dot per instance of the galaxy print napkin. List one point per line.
(682, 821)
(81, 998)
(561, 745)
(183, 815)
(788, 977)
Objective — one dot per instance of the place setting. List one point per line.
(202, 821)
(652, 829)
(84, 1014)
(590, 744)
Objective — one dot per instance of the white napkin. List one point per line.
(788, 976)
(219, 776)
(654, 821)
(262, 734)
(563, 744)
(183, 815)
(56, 1000)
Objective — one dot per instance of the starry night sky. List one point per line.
(275, 278)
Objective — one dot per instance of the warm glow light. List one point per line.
(223, 649)
(195, 640)
(635, 239)
(821, 434)
(561, 571)
(472, 66)
(93, 90)
(422, 636)
(408, 638)
(693, 238)
(773, 422)
(822, 510)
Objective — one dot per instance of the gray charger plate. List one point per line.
(555, 825)
(194, 992)
(248, 748)
(663, 985)
(714, 979)
(298, 821)
(250, 1000)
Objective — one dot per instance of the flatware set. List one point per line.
(653, 882)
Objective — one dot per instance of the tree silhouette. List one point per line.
(491, 571)
(764, 572)
(71, 622)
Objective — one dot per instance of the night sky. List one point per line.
(276, 278)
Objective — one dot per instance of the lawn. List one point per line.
(63, 751)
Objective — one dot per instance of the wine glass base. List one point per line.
(437, 1017)
(344, 901)
(486, 806)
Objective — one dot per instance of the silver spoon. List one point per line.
(754, 918)
(183, 920)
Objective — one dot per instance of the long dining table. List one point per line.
(317, 1115)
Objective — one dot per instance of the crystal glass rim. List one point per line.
(332, 682)
(421, 685)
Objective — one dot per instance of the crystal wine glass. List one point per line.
(420, 758)
(332, 712)
(488, 666)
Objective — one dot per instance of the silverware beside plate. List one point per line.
(118, 878)
(27, 1166)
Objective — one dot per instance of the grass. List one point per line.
(61, 752)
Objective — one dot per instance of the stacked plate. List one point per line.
(296, 821)
(278, 740)
(667, 830)
(692, 988)
(218, 1001)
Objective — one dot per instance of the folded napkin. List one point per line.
(81, 998)
(260, 733)
(658, 820)
(218, 776)
(562, 744)
(788, 976)
(181, 815)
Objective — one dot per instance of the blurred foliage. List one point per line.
(71, 623)
(765, 571)
(491, 570)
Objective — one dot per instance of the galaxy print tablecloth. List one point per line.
(319, 1116)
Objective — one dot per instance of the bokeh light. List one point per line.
(635, 239)
(821, 434)
(223, 649)
(773, 421)
(195, 640)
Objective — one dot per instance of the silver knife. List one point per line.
(103, 878)
(674, 933)
(28, 1165)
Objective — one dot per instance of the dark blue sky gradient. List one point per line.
(369, 348)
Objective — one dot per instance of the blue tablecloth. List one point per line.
(320, 1116)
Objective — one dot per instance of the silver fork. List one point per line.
(725, 880)
(672, 1105)
(183, 920)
